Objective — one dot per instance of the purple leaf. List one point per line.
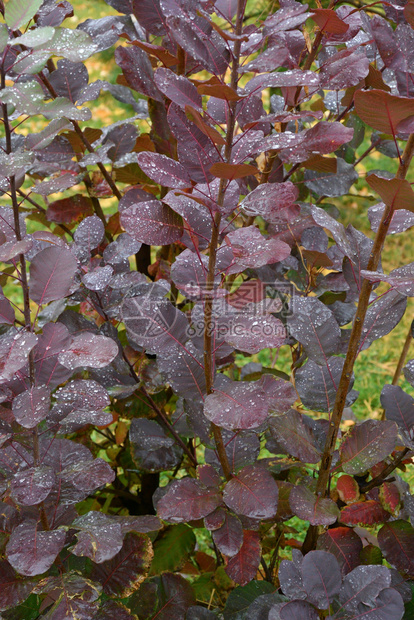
(32, 406)
(250, 249)
(294, 436)
(252, 493)
(344, 544)
(321, 578)
(123, 574)
(270, 199)
(287, 78)
(89, 475)
(164, 170)
(187, 37)
(168, 596)
(251, 334)
(398, 406)
(396, 541)
(296, 610)
(69, 79)
(149, 15)
(31, 486)
(227, 8)
(14, 348)
(184, 371)
(151, 448)
(382, 316)
(90, 232)
(316, 510)
(317, 385)
(290, 576)
(238, 405)
(99, 537)
(323, 138)
(7, 315)
(98, 279)
(344, 69)
(363, 585)
(154, 324)
(51, 274)
(229, 537)
(32, 552)
(137, 70)
(14, 590)
(367, 444)
(401, 220)
(89, 350)
(152, 222)
(243, 566)
(314, 326)
(187, 500)
(401, 279)
(177, 88)
(124, 138)
(281, 394)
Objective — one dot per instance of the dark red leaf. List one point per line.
(32, 406)
(32, 552)
(328, 21)
(381, 110)
(367, 444)
(396, 541)
(252, 493)
(270, 199)
(13, 589)
(149, 15)
(250, 249)
(344, 544)
(314, 326)
(396, 193)
(187, 500)
(369, 512)
(243, 566)
(70, 209)
(124, 573)
(99, 536)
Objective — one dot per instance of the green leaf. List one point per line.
(171, 551)
(4, 36)
(19, 12)
(242, 597)
(34, 38)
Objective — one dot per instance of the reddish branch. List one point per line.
(344, 384)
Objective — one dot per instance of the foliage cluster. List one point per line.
(150, 465)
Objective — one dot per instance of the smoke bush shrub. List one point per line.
(146, 471)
